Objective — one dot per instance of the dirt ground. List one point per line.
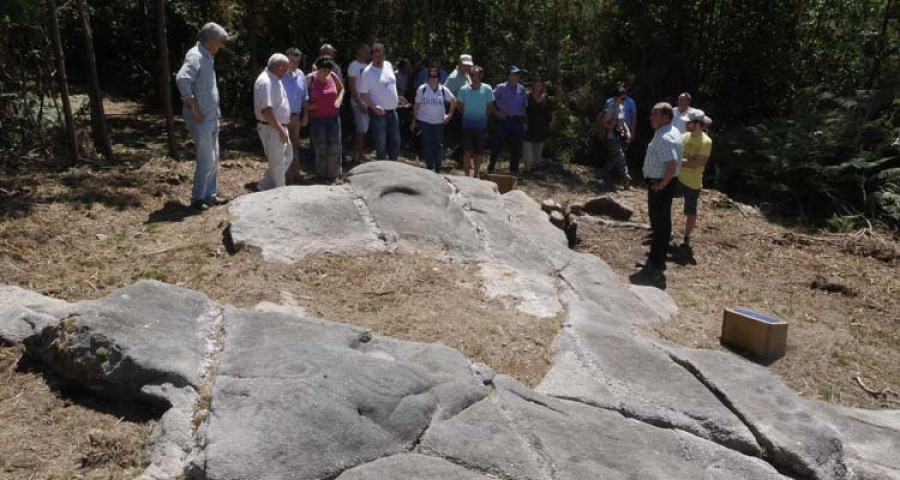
(844, 332)
(80, 233)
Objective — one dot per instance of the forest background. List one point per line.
(803, 92)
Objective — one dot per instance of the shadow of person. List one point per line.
(171, 212)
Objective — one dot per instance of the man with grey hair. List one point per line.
(196, 81)
(327, 50)
(273, 115)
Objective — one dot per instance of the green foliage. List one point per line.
(831, 161)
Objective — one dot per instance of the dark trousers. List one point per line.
(659, 205)
(509, 130)
(432, 144)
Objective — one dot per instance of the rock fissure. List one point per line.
(653, 422)
(530, 442)
(787, 467)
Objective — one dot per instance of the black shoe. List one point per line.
(649, 276)
(199, 206)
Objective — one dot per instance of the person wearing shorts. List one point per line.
(475, 102)
(360, 109)
(697, 148)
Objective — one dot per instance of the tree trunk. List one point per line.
(71, 139)
(98, 118)
(880, 46)
(250, 25)
(165, 83)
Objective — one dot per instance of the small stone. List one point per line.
(609, 207)
(102, 237)
(557, 218)
(551, 205)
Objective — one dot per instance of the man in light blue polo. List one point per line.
(196, 82)
(510, 100)
(294, 82)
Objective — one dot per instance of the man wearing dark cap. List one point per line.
(510, 101)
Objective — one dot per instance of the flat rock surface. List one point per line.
(271, 393)
(289, 223)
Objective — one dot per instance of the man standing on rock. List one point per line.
(457, 79)
(273, 114)
(360, 110)
(377, 86)
(697, 148)
(661, 166)
(196, 82)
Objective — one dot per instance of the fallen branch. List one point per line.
(614, 223)
(880, 394)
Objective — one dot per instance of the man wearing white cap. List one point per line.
(697, 148)
(457, 79)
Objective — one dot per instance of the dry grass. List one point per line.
(51, 430)
(81, 233)
(746, 260)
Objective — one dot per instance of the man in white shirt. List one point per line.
(683, 112)
(273, 114)
(378, 90)
(360, 110)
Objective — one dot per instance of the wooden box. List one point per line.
(505, 183)
(763, 336)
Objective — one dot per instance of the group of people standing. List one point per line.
(285, 100)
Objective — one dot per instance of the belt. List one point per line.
(266, 123)
(515, 117)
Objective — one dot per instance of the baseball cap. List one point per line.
(707, 120)
(466, 59)
(696, 116)
(512, 70)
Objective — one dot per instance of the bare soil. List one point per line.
(80, 233)
(840, 293)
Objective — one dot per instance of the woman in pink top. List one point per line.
(326, 93)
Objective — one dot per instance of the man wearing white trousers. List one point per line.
(273, 115)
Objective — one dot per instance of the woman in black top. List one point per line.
(540, 118)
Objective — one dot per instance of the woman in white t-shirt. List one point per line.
(430, 112)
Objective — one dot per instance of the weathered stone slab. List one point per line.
(150, 333)
(410, 467)
(18, 323)
(306, 399)
(289, 223)
(793, 435)
(871, 439)
(523, 435)
(413, 205)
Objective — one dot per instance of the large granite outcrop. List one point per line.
(271, 393)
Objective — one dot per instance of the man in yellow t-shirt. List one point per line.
(697, 148)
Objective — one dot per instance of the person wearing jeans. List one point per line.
(377, 86)
(510, 100)
(431, 115)
(326, 94)
(196, 81)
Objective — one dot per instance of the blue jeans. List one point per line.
(386, 130)
(326, 139)
(206, 141)
(432, 144)
(509, 130)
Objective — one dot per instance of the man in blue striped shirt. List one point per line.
(661, 165)
(196, 82)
